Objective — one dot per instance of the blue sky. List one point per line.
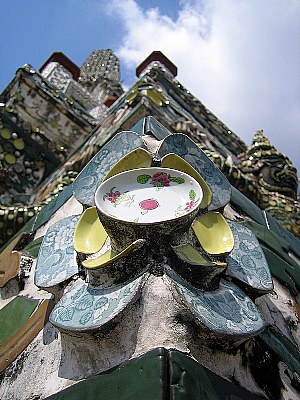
(241, 58)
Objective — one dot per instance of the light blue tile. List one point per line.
(56, 259)
(84, 308)
(247, 261)
(225, 311)
(87, 182)
(184, 147)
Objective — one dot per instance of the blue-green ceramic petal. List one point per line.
(87, 182)
(86, 309)
(247, 262)
(56, 259)
(184, 147)
(226, 311)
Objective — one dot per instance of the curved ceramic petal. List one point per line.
(86, 183)
(247, 262)
(89, 235)
(111, 256)
(138, 158)
(56, 260)
(84, 308)
(199, 271)
(184, 147)
(188, 253)
(213, 233)
(226, 311)
(174, 161)
(112, 268)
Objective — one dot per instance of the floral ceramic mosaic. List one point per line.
(158, 194)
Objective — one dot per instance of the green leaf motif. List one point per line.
(143, 178)
(192, 195)
(177, 180)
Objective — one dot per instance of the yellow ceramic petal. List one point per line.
(188, 253)
(110, 256)
(172, 160)
(213, 233)
(138, 158)
(89, 235)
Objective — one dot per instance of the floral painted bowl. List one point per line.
(149, 203)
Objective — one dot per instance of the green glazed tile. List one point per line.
(242, 202)
(46, 212)
(189, 380)
(293, 242)
(286, 351)
(14, 315)
(286, 273)
(33, 247)
(142, 378)
(271, 240)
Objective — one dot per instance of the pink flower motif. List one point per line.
(189, 205)
(161, 179)
(149, 204)
(112, 197)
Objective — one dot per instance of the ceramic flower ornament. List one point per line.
(164, 219)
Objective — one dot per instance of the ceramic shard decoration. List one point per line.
(92, 175)
(113, 268)
(213, 233)
(200, 271)
(226, 311)
(148, 195)
(194, 281)
(89, 235)
(174, 161)
(147, 202)
(247, 261)
(56, 260)
(85, 308)
(138, 158)
(184, 147)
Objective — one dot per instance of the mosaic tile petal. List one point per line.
(225, 311)
(85, 308)
(183, 146)
(247, 262)
(86, 183)
(56, 260)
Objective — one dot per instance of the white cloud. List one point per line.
(240, 58)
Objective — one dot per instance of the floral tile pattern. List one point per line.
(226, 311)
(86, 308)
(184, 147)
(86, 183)
(56, 260)
(247, 261)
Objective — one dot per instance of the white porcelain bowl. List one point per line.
(158, 198)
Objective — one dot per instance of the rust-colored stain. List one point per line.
(297, 309)
(10, 262)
